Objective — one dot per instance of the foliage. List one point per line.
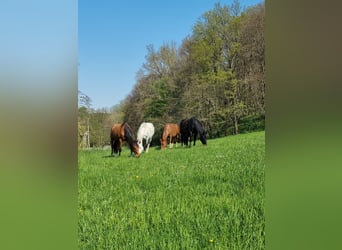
(217, 74)
(100, 123)
(182, 198)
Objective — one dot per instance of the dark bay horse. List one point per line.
(171, 130)
(123, 132)
(192, 127)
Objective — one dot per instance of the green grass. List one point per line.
(203, 197)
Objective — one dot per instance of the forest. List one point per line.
(217, 74)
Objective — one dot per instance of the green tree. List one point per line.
(84, 102)
(217, 74)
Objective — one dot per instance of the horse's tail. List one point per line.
(112, 140)
(185, 130)
(116, 146)
(140, 132)
(178, 135)
(152, 129)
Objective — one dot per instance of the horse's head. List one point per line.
(136, 149)
(203, 138)
(162, 144)
(141, 147)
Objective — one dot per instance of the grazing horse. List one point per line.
(189, 127)
(172, 131)
(145, 131)
(122, 132)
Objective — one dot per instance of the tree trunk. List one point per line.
(236, 127)
(88, 137)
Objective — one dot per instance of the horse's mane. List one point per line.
(128, 133)
(197, 125)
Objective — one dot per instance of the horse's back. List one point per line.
(115, 131)
(149, 127)
(127, 132)
(171, 129)
(146, 129)
(175, 128)
(197, 125)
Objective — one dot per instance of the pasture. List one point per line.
(203, 197)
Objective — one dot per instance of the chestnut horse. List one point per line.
(122, 132)
(172, 131)
(192, 127)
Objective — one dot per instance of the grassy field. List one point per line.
(203, 197)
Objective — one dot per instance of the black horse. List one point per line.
(192, 127)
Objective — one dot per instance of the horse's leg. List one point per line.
(119, 146)
(148, 141)
(132, 149)
(161, 143)
(195, 136)
(145, 147)
(115, 146)
(171, 144)
(112, 146)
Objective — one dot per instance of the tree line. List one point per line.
(217, 74)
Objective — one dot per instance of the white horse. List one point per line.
(145, 131)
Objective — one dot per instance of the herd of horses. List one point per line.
(185, 131)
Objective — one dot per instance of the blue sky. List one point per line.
(113, 35)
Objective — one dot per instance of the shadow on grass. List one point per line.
(109, 156)
(116, 156)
